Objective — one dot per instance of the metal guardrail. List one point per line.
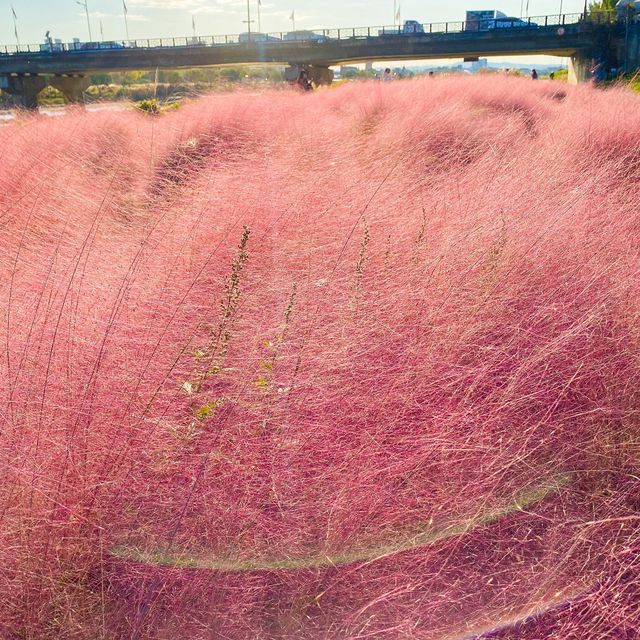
(319, 36)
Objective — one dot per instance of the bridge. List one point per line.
(586, 40)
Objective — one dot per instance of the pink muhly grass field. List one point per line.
(360, 364)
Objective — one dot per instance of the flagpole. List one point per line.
(126, 19)
(259, 24)
(249, 19)
(15, 25)
(395, 11)
(86, 10)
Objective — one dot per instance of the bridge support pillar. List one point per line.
(580, 69)
(588, 68)
(318, 75)
(24, 88)
(632, 48)
(73, 87)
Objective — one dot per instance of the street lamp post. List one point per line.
(83, 3)
(626, 38)
(248, 20)
(125, 11)
(15, 26)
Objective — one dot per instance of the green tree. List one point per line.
(602, 6)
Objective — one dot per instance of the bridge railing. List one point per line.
(317, 36)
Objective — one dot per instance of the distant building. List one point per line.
(476, 65)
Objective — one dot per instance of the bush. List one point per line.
(561, 75)
(104, 92)
(51, 96)
(150, 106)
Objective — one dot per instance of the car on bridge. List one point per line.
(256, 37)
(305, 36)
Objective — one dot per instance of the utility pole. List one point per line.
(84, 4)
(626, 38)
(125, 10)
(15, 25)
(248, 20)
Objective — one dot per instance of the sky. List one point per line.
(162, 18)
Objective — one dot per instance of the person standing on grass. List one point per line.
(303, 81)
(598, 73)
(534, 74)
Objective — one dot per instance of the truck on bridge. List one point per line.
(486, 20)
(475, 21)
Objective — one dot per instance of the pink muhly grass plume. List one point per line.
(351, 365)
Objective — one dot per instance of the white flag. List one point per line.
(292, 17)
(398, 14)
(124, 7)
